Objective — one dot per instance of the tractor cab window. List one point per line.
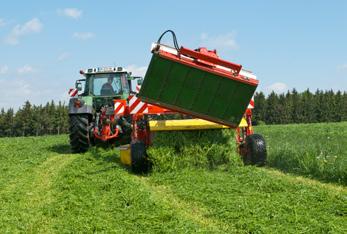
(109, 84)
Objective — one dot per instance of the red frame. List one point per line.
(211, 57)
(212, 69)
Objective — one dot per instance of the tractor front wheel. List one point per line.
(254, 150)
(79, 133)
(139, 158)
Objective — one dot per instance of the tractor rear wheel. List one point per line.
(139, 158)
(255, 150)
(79, 133)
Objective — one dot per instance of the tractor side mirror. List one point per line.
(139, 80)
(79, 86)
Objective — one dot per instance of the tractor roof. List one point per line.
(99, 70)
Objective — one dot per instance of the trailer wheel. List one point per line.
(79, 133)
(255, 150)
(139, 158)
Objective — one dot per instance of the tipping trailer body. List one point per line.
(197, 83)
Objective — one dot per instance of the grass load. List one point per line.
(175, 150)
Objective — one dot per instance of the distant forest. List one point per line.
(32, 120)
(305, 107)
(291, 107)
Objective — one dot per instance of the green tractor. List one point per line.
(92, 107)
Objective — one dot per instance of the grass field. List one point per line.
(315, 150)
(46, 189)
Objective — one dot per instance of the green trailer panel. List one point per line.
(195, 91)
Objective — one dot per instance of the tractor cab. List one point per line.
(101, 87)
(105, 82)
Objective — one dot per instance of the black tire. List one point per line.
(255, 150)
(139, 158)
(79, 133)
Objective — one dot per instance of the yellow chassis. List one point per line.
(187, 124)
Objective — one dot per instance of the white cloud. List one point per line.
(2, 23)
(223, 41)
(15, 92)
(137, 70)
(63, 56)
(73, 13)
(3, 69)
(38, 89)
(277, 87)
(32, 26)
(25, 70)
(342, 67)
(83, 35)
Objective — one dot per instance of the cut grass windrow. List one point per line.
(24, 196)
(186, 210)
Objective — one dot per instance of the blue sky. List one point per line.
(292, 44)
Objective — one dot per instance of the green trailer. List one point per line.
(197, 83)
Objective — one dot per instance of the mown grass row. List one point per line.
(207, 149)
(314, 150)
(46, 189)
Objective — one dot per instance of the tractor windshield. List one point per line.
(109, 84)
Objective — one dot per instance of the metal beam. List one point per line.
(183, 124)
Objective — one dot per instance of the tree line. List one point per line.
(304, 107)
(290, 107)
(34, 120)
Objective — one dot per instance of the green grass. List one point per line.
(315, 150)
(209, 149)
(46, 189)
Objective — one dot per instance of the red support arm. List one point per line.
(211, 59)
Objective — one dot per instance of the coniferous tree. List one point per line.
(2, 122)
(31, 120)
(9, 123)
(271, 111)
(297, 107)
(344, 107)
(289, 107)
(338, 109)
(284, 110)
(307, 107)
(259, 106)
